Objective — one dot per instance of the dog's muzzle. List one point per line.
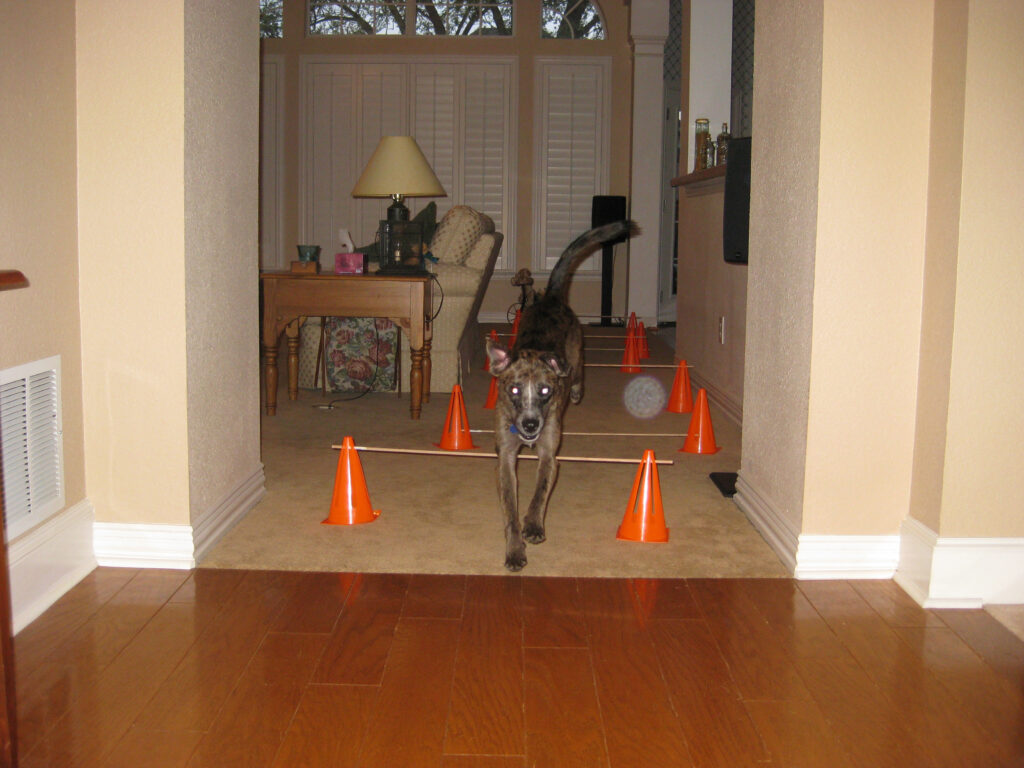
(528, 430)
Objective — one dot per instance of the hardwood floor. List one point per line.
(248, 668)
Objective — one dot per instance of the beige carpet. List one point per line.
(440, 514)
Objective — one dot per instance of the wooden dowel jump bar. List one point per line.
(605, 434)
(472, 455)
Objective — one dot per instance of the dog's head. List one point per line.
(530, 385)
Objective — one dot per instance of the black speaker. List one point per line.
(736, 215)
(605, 209)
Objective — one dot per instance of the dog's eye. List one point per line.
(545, 391)
(514, 389)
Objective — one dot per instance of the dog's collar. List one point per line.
(512, 429)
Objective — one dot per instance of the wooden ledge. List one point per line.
(701, 182)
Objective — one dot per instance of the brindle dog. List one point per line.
(536, 379)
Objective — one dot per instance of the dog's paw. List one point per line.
(515, 561)
(534, 533)
(576, 394)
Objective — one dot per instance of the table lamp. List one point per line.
(398, 169)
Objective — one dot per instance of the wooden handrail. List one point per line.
(12, 278)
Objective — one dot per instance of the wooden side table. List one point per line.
(403, 299)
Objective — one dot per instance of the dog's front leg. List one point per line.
(508, 497)
(547, 471)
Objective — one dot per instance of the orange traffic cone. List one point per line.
(631, 325)
(350, 504)
(631, 358)
(487, 358)
(701, 437)
(644, 519)
(681, 399)
(492, 394)
(641, 342)
(456, 426)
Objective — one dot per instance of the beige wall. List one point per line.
(868, 265)
(885, 275)
(981, 492)
(709, 288)
(38, 206)
(941, 244)
(221, 268)
(167, 113)
(131, 91)
(780, 277)
(526, 44)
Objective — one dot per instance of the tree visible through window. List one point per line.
(429, 17)
(571, 19)
(270, 18)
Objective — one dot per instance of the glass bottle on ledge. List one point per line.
(709, 152)
(701, 138)
(723, 145)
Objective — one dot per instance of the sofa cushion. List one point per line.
(457, 280)
(456, 234)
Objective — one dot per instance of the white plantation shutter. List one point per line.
(571, 123)
(436, 104)
(488, 170)
(461, 113)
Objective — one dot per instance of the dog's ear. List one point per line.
(556, 364)
(499, 356)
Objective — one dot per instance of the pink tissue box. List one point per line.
(350, 263)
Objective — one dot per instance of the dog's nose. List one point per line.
(531, 425)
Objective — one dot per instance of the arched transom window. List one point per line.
(411, 17)
(560, 19)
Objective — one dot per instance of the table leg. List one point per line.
(426, 370)
(270, 374)
(292, 333)
(415, 382)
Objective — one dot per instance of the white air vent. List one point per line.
(33, 452)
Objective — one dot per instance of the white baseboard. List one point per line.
(144, 545)
(49, 560)
(817, 557)
(149, 545)
(847, 557)
(209, 527)
(951, 572)
(729, 405)
(775, 529)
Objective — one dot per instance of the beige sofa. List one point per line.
(466, 248)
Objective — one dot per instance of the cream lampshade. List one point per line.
(398, 169)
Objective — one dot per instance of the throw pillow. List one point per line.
(460, 228)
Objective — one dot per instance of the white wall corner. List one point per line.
(48, 560)
(959, 572)
(914, 572)
(772, 525)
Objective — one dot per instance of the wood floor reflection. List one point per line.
(256, 668)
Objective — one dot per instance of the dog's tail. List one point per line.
(583, 246)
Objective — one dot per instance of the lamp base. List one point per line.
(398, 211)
